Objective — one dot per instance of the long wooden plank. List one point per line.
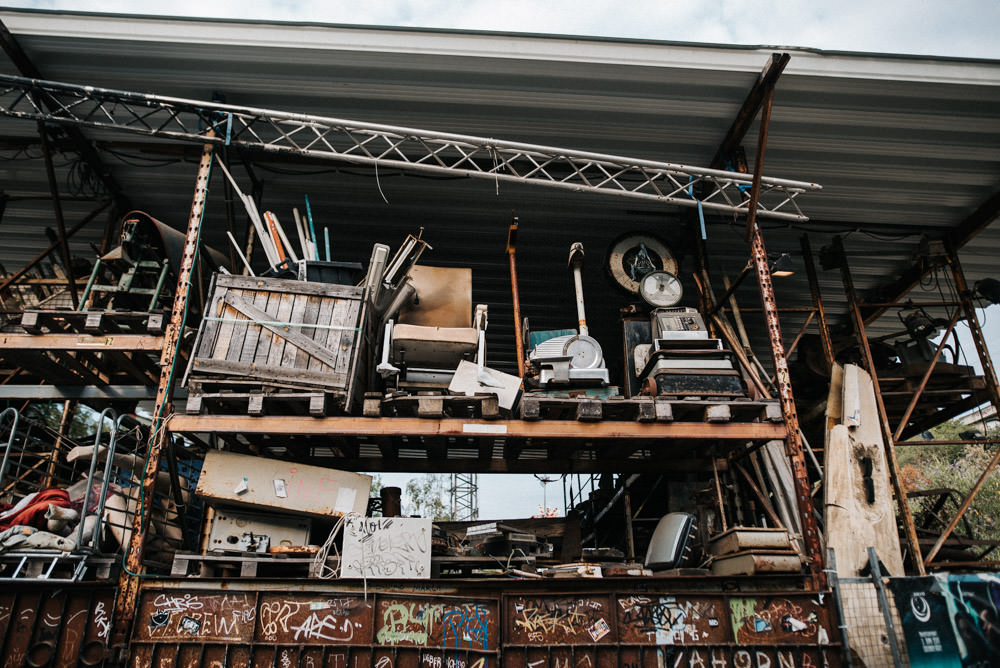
(254, 330)
(237, 337)
(280, 333)
(315, 379)
(349, 339)
(144, 342)
(309, 316)
(325, 314)
(359, 426)
(286, 286)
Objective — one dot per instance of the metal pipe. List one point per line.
(515, 295)
(57, 210)
(576, 263)
(94, 456)
(765, 122)
(927, 376)
(16, 417)
(888, 443)
(824, 328)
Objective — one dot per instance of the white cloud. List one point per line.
(963, 28)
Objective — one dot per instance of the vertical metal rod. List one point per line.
(718, 492)
(883, 602)
(834, 578)
(793, 437)
(817, 297)
(888, 443)
(629, 536)
(515, 295)
(758, 170)
(927, 376)
(128, 588)
(989, 376)
(57, 210)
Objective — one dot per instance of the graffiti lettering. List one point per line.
(467, 627)
(185, 603)
(398, 619)
(326, 628)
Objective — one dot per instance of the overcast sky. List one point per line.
(961, 28)
(966, 28)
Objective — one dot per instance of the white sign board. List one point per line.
(386, 547)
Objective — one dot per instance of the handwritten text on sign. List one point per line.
(387, 547)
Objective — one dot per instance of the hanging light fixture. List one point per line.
(781, 265)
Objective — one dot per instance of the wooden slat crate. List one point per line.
(283, 333)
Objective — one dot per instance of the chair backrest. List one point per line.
(444, 297)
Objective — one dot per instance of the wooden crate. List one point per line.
(283, 333)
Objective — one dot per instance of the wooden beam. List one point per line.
(415, 465)
(751, 105)
(459, 428)
(143, 342)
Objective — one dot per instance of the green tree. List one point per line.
(953, 467)
(427, 496)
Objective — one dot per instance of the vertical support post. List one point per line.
(888, 443)
(57, 210)
(834, 578)
(69, 408)
(883, 602)
(793, 437)
(128, 586)
(989, 376)
(817, 297)
(515, 295)
(765, 121)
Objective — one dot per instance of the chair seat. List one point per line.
(434, 346)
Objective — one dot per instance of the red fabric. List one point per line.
(33, 514)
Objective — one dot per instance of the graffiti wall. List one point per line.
(950, 621)
(417, 630)
(55, 627)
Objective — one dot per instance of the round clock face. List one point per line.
(661, 289)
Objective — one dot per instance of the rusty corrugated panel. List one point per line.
(55, 627)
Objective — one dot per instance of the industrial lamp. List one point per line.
(781, 265)
(988, 289)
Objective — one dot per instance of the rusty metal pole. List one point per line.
(817, 297)
(989, 376)
(57, 210)
(888, 443)
(515, 295)
(128, 586)
(793, 438)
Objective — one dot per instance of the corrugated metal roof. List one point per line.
(903, 146)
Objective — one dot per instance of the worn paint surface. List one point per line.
(57, 627)
(175, 627)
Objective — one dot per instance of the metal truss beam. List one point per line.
(396, 147)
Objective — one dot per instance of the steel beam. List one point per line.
(960, 235)
(992, 388)
(58, 213)
(386, 146)
(817, 298)
(125, 603)
(888, 443)
(751, 105)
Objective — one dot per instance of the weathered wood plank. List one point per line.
(328, 380)
(286, 286)
(291, 352)
(309, 316)
(320, 334)
(349, 339)
(281, 333)
(252, 340)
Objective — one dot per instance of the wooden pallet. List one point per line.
(263, 402)
(483, 406)
(647, 409)
(246, 565)
(42, 321)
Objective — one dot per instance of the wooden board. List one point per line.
(309, 490)
(387, 547)
(859, 507)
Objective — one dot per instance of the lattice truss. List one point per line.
(396, 147)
